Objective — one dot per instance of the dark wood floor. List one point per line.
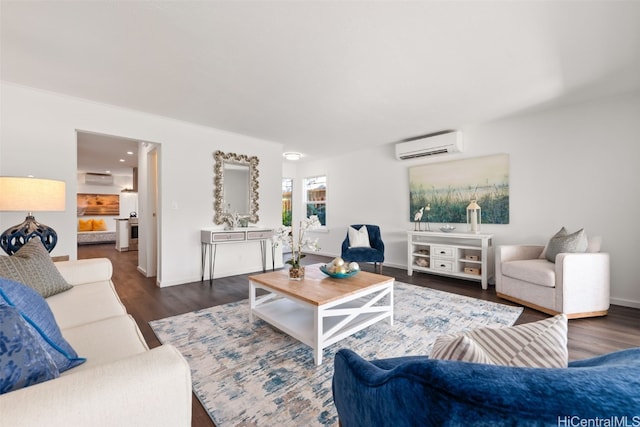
(145, 302)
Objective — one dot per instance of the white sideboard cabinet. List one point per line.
(468, 256)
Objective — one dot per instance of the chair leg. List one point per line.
(377, 267)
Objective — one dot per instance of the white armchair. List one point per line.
(577, 284)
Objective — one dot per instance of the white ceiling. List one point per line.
(325, 76)
(106, 154)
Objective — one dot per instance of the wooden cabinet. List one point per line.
(465, 255)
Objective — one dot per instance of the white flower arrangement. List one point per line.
(284, 235)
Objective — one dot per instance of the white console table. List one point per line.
(468, 256)
(211, 238)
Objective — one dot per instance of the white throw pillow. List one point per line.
(359, 238)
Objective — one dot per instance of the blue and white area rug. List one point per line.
(250, 374)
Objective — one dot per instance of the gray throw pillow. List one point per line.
(32, 265)
(566, 243)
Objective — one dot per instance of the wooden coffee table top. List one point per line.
(317, 288)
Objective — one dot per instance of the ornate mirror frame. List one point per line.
(222, 217)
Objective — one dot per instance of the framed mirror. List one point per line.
(236, 187)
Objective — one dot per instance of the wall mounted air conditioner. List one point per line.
(437, 143)
(98, 179)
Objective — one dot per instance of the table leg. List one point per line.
(273, 256)
(203, 256)
(317, 326)
(263, 252)
(252, 299)
(212, 263)
(484, 282)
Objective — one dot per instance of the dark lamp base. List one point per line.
(15, 237)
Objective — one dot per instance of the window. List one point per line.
(315, 193)
(287, 187)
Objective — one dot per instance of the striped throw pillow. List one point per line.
(541, 344)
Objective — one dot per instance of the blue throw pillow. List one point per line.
(23, 360)
(35, 310)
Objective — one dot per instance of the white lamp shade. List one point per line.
(31, 194)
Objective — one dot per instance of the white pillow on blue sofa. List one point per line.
(359, 238)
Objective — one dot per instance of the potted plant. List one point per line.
(285, 235)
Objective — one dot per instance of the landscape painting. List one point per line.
(98, 204)
(448, 187)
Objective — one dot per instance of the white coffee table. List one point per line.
(320, 310)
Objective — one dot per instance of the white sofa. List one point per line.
(577, 284)
(122, 383)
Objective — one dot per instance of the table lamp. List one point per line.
(30, 195)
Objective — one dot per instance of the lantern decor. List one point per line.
(473, 217)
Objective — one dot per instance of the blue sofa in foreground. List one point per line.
(418, 391)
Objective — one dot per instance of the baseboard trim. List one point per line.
(625, 302)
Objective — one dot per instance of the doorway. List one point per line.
(125, 168)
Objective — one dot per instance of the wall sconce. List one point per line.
(30, 195)
(473, 217)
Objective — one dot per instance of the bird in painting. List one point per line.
(417, 218)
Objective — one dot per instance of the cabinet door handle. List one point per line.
(442, 252)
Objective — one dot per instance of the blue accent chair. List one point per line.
(374, 254)
(418, 391)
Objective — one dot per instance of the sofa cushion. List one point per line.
(23, 360)
(33, 266)
(564, 242)
(106, 340)
(538, 271)
(85, 225)
(83, 271)
(36, 312)
(562, 232)
(359, 238)
(594, 244)
(459, 347)
(541, 344)
(86, 303)
(99, 225)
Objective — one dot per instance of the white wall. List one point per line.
(38, 137)
(575, 166)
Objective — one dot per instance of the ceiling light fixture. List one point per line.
(290, 155)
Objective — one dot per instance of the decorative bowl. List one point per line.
(447, 229)
(323, 268)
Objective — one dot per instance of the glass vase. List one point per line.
(296, 273)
